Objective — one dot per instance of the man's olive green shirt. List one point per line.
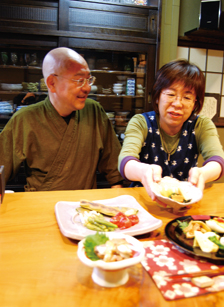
(57, 155)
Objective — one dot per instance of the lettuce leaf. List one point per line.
(94, 240)
(183, 224)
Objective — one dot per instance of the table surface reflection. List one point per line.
(40, 267)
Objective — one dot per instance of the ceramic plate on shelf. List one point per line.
(65, 212)
(175, 234)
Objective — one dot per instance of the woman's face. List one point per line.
(175, 105)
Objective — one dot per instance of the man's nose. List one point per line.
(86, 86)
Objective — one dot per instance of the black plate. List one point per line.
(176, 236)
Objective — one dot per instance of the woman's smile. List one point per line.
(175, 114)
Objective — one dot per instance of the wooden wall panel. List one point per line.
(107, 45)
(30, 15)
(113, 19)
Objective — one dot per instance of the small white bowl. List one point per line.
(194, 193)
(94, 88)
(117, 91)
(112, 274)
(117, 85)
(140, 92)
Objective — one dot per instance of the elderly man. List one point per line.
(65, 138)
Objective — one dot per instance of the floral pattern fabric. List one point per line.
(185, 156)
(163, 259)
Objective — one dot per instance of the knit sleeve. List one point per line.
(208, 142)
(135, 135)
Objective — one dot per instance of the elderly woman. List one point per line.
(168, 140)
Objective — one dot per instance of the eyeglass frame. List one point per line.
(172, 97)
(84, 80)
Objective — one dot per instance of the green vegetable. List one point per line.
(94, 240)
(104, 222)
(92, 227)
(186, 201)
(182, 225)
(98, 222)
(215, 240)
(92, 221)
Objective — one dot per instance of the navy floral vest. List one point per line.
(185, 156)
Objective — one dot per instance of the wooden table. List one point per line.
(39, 266)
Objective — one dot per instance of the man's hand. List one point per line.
(117, 186)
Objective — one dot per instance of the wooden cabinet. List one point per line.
(115, 29)
(115, 33)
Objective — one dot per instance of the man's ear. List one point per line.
(51, 83)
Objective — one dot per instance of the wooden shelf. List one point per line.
(20, 92)
(201, 38)
(119, 72)
(19, 67)
(116, 96)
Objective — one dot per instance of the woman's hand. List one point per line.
(147, 174)
(152, 174)
(196, 177)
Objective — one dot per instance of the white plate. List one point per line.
(65, 211)
(193, 192)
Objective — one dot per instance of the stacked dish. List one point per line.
(118, 88)
(11, 87)
(6, 108)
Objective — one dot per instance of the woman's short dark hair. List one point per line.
(180, 71)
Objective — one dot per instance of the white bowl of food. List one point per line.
(176, 195)
(113, 257)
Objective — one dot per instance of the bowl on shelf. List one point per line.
(112, 274)
(94, 89)
(11, 87)
(118, 91)
(140, 92)
(117, 88)
(118, 85)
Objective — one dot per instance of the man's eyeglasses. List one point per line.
(81, 82)
(186, 99)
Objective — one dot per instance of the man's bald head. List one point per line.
(61, 60)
